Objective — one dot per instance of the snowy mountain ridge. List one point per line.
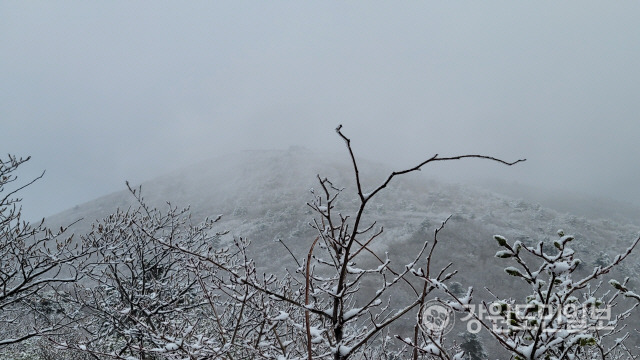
(263, 197)
(263, 194)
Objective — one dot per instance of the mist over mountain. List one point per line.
(262, 196)
(574, 203)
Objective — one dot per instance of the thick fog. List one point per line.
(101, 92)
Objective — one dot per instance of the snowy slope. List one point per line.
(263, 195)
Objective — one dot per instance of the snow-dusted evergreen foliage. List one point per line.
(563, 318)
(472, 347)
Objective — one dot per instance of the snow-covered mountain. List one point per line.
(263, 194)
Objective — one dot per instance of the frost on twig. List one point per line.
(163, 288)
(36, 265)
(563, 318)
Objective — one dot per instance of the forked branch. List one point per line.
(364, 197)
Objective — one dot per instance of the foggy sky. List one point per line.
(102, 92)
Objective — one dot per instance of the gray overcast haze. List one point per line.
(102, 92)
